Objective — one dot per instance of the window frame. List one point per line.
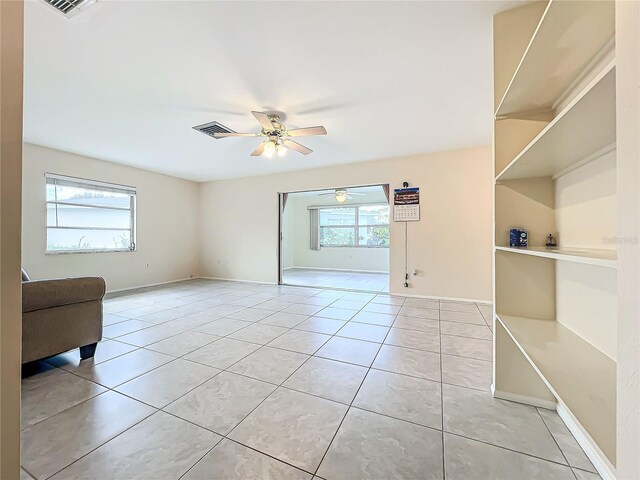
(356, 227)
(55, 179)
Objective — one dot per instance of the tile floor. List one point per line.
(220, 380)
(368, 282)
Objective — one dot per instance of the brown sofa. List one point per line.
(59, 315)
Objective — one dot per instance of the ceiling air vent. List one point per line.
(69, 8)
(212, 127)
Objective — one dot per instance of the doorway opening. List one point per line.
(336, 238)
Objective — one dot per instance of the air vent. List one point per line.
(213, 127)
(69, 8)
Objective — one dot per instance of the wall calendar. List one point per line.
(406, 204)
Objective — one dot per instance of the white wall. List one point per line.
(296, 238)
(628, 182)
(450, 246)
(167, 223)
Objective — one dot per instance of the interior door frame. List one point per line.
(279, 249)
(280, 234)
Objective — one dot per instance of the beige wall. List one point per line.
(167, 237)
(586, 296)
(11, 50)
(628, 149)
(297, 238)
(586, 203)
(450, 246)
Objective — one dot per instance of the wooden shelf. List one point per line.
(579, 375)
(583, 131)
(599, 257)
(568, 38)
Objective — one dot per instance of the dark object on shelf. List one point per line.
(518, 237)
(551, 242)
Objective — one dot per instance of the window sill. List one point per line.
(73, 252)
(354, 246)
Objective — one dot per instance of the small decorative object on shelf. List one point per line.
(551, 242)
(518, 237)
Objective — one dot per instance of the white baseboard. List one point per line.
(514, 397)
(408, 295)
(338, 270)
(237, 280)
(119, 290)
(434, 297)
(599, 460)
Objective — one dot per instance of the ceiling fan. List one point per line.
(340, 194)
(278, 138)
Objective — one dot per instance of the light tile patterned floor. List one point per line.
(308, 277)
(220, 380)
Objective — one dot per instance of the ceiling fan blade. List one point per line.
(258, 151)
(223, 135)
(304, 132)
(263, 118)
(356, 193)
(297, 147)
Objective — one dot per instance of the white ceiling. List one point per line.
(125, 81)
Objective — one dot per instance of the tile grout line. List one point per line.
(181, 357)
(102, 444)
(555, 441)
(444, 460)
(281, 385)
(353, 399)
(148, 416)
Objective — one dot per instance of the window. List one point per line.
(357, 226)
(89, 216)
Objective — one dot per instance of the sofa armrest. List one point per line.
(41, 294)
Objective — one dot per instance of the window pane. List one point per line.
(72, 216)
(88, 196)
(373, 215)
(51, 215)
(60, 239)
(337, 216)
(51, 193)
(83, 216)
(373, 236)
(337, 236)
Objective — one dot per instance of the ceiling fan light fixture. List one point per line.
(281, 150)
(278, 137)
(341, 196)
(269, 149)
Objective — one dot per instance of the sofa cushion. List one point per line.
(41, 294)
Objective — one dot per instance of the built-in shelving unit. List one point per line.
(569, 34)
(584, 128)
(555, 329)
(587, 256)
(576, 372)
